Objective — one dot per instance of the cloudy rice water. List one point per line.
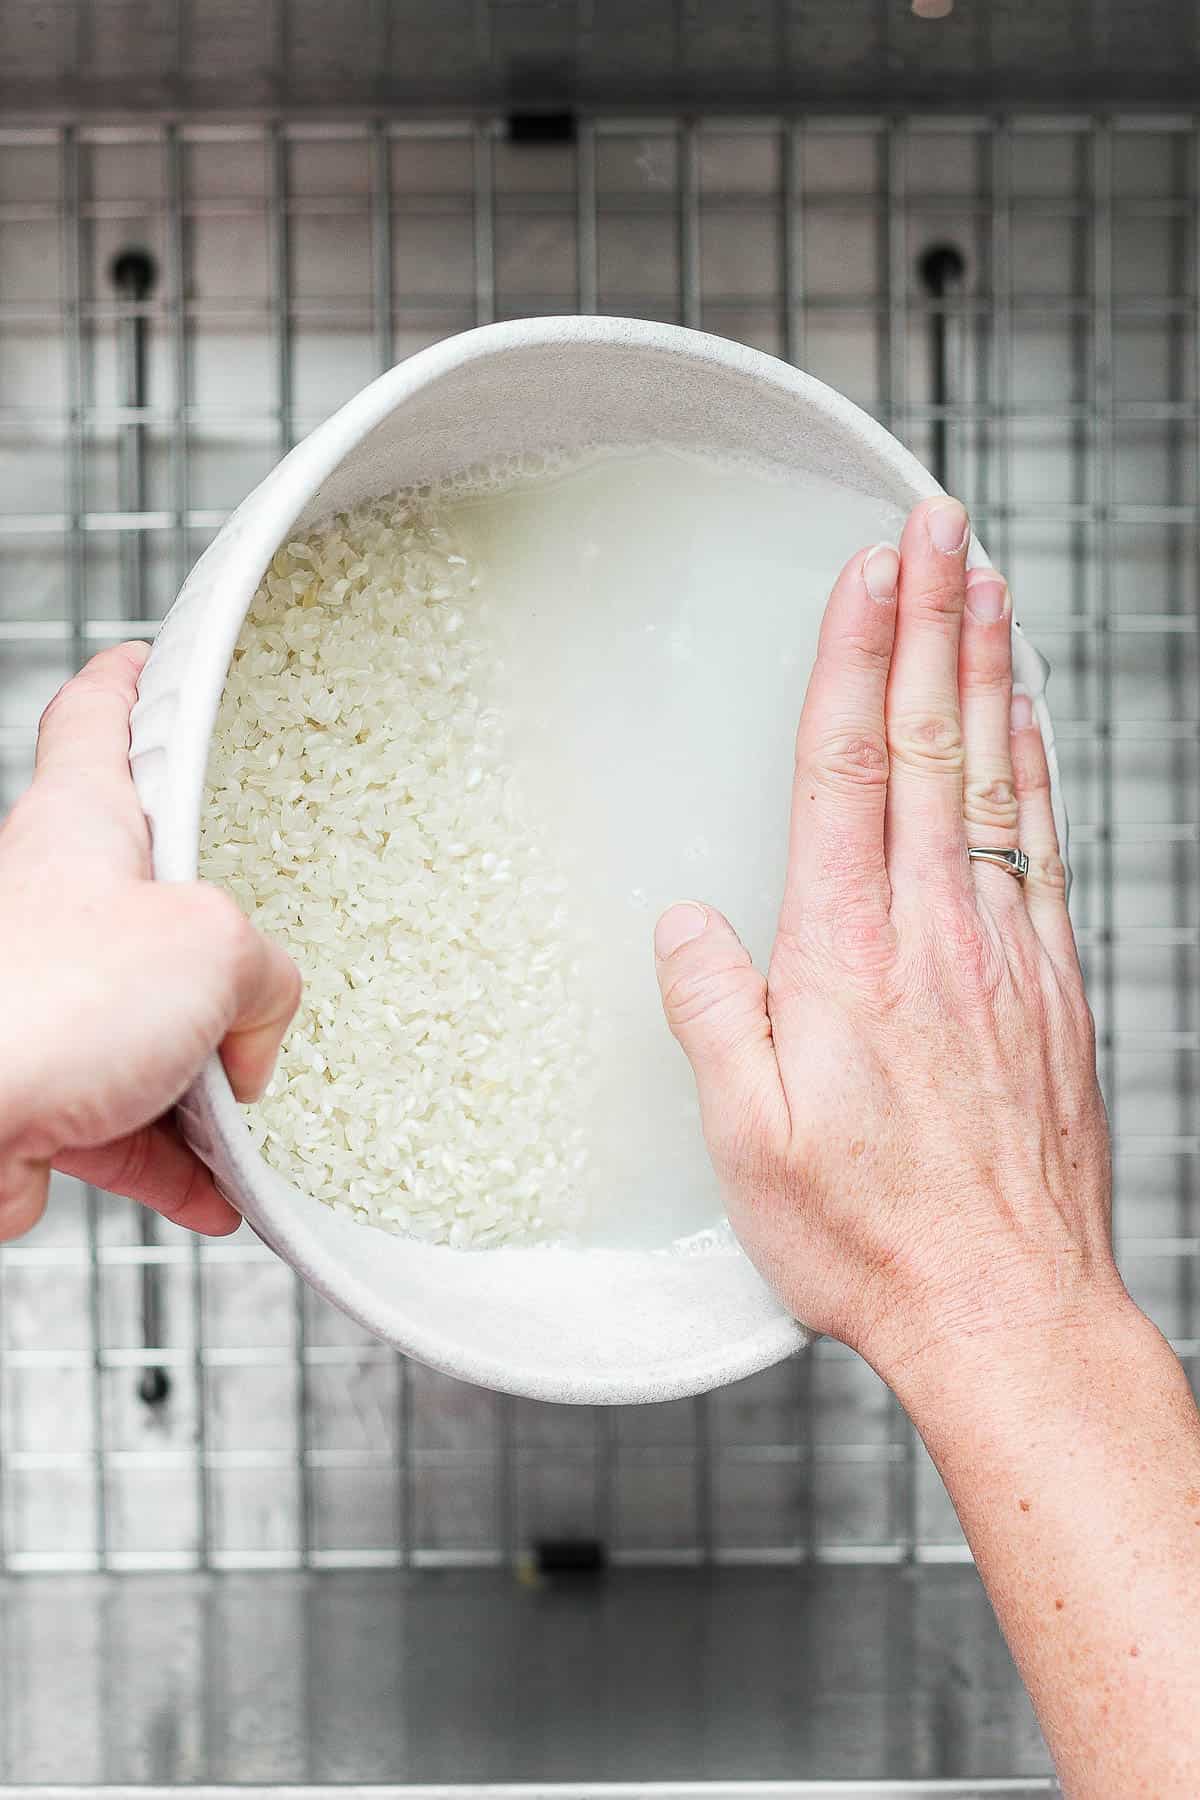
(471, 744)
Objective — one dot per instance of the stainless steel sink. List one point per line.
(475, 1679)
(240, 1544)
(631, 1790)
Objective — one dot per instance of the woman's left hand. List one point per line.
(116, 988)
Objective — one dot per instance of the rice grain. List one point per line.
(362, 809)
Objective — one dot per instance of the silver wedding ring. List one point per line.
(1015, 861)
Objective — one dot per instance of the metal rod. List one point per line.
(585, 218)
(174, 175)
(103, 417)
(280, 268)
(484, 204)
(5, 1434)
(485, 227)
(607, 1502)
(134, 274)
(793, 202)
(407, 1496)
(381, 243)
(703, 1497)
(280, 275)
(691, 314)
(76, 384)
(508, 1513)
(894, 393)
(1080, 512)
(690, 309)
(1079, 600)
(1049, 308)
(177, 329)
(1001, 395)
(1100, 381)
(942, 268)
(385, 354)
(1185, 346)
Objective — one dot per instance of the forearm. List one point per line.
(1072, 1455)
(907, 1122)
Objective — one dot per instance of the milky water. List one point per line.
(655, 616)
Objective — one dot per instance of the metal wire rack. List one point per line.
(166, 1404)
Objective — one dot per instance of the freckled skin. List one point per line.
(890, 1109)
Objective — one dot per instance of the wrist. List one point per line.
(1016, 1362)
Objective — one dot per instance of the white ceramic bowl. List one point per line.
(586, 1325)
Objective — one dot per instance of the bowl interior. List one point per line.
(585, 1325)
(519, 398)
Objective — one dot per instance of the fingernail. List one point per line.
(1022, 712)
(677, 927)
(987, 599)
(948, 526)
(881, 572)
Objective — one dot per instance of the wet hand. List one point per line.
(904, 1110)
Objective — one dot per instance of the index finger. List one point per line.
(84, 732)
(155, 1167)
(82, 765)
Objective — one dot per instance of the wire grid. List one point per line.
(295, 261)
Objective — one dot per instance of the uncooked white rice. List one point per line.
(362, 811)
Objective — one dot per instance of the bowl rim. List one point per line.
(242, 550)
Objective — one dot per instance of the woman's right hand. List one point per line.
(904, 1111)
(906, 1117)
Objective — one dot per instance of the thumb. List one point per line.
(716, 1005)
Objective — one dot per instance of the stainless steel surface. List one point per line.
(319, 204)
(542, 1790)
(736, 1675)
(224, 54)
(1059, 379)
(296, 259)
